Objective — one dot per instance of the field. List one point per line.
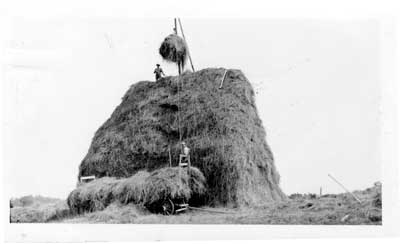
(37, 209)
(300, 209)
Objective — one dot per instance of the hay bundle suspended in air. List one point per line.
(174, 49)
(147, 189)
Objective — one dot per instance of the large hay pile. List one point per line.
(221, 126)
(147, 189)
(174, 49)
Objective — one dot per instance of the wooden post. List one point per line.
(175, 27)
(358, 200)
(188, 169)
(183, 35)
(320, 191)
(176, 33)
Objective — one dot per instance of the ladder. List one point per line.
(184, 164)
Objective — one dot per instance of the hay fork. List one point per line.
(223, 78)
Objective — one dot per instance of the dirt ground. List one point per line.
(300, 209)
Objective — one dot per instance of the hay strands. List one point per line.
(340, 184)
(210, 210)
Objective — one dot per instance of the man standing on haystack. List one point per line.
(184, 155)
(158, 71)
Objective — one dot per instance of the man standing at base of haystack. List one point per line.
(159, 72)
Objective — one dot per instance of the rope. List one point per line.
(178, 87)
(179, 111)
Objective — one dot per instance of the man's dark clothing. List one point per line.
(158, 71)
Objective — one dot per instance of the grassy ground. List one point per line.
(306, 209)
(38, 209)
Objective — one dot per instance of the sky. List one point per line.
(317, 92)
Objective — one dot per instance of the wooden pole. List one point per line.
(175, 27)
(320, 191)
(176, 33)
(358, 200)
(183, 35)
(209, 210)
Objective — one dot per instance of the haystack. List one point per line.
(221, 126)
(143, 188)
(174, 49)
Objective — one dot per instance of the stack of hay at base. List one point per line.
(147, 189)
(220, 126)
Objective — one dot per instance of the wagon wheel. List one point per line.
(167, 207)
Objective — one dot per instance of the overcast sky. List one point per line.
(316, 82)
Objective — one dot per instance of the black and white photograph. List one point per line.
(195, 121)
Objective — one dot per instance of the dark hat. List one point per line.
(158, 64)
